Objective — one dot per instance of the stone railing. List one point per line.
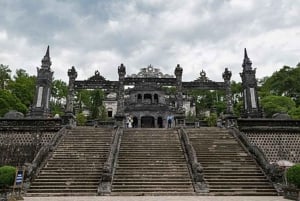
(253, 149)
(33, 168)
(196, 124)
(195, 167)
(248, 123)
(102, 124)
(109, 166)
(260, 157)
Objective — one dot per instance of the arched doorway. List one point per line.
(147, 122)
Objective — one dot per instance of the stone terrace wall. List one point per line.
(278, 139)
(20, 140)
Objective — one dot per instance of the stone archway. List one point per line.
(147, 122)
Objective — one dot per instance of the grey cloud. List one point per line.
(102, 34)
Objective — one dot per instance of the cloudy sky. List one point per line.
(198, 34)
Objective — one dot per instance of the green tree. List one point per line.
(212, 100)
(59, 91)
(284, 82)
(4, 75)
(294, 113)
(23, 87)
(97, 97)
(277, 104)
(103, 113)
(10, 102)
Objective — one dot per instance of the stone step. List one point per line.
(228, 169)
(151, 165)
(89, 187)
(60, 194)
(142, 193)
(75, 167)
(154, 189)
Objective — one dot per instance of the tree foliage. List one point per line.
(9, 101)
(7, 176)
(277, 104)
(293, 175)
(284, 82)
(208, 100)
(23, 87)
(4, 75)
(59, 91)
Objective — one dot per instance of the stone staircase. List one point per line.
(228, 168)
(151, 162)
(75, 167)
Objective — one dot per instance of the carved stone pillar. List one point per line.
(120, 116)
(226, 76)
(178, 74)
(68, 117)
(70, 98)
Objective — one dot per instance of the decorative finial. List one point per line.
(247, 64)
(46, 62)
(47, 52)
(245, 54)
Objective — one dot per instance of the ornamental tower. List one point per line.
(251, 106)
(40, 107)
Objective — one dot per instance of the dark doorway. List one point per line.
(135, 122)
(147, 122)
(160, 122)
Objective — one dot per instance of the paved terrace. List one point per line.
(162, 198)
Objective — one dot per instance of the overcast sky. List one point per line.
(198, 34)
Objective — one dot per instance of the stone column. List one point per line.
(120, 116)
(180, 113)
(71, 90)
(68, 117)
(227, 76)
(178, 74)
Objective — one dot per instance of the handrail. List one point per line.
(109, 166)
(255, 150)
(271, 170)
(196, 168)
(34, 167)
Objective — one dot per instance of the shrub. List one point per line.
(293, 175)
(81, 119)
(211, 120)
(7, 176)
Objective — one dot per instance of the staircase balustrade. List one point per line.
(196, 168)
(110, 164)
(42, 155)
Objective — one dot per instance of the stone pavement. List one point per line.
(156, 198)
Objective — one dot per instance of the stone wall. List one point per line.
(278, 139)
(19, 147)
(277, 144)
(20, 140)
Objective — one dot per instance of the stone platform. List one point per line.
(156, 198)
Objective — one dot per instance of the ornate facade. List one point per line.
(144, 96)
